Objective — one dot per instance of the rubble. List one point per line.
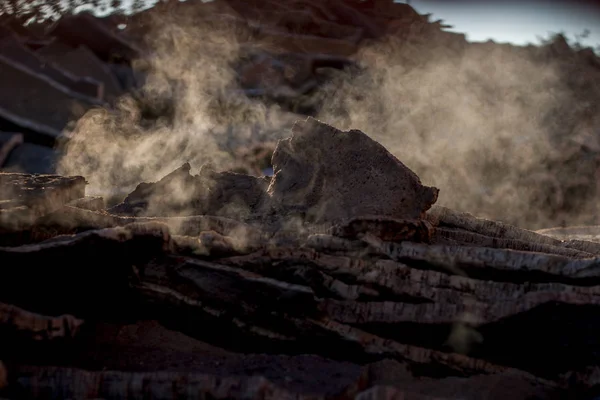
(207, 303)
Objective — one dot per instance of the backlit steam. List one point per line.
(188, 76)
(483, 126)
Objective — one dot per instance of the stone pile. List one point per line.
(336, 278)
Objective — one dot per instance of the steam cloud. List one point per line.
(484, 127)
(189, 74)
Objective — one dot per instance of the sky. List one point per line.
(517, 22)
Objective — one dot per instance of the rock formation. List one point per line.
(406, 302)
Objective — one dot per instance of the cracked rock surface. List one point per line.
(326, 287)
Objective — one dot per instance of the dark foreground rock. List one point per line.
(402, 303)
(25, 197)
(228, 194)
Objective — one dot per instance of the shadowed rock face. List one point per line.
(312, 179)
(312, 173)
(453, 306)
(213, 193)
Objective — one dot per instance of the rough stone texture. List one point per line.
(312, 175)
(232, 318)
(224, 194)
(388, 229)
(25, 197)
(92, 203)
(15, 321)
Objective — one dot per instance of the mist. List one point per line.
(487, 124)
(487, 128)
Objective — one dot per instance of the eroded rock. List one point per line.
(333, 176)
(226, 194)
(25, 197)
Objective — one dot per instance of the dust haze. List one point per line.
(483, 126)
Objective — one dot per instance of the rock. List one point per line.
(334, 176)
(91, 203)
(8, 142)
(54, 105)
(84, 29)
(280, 41)
(387, 229)
(225, 194)
(25, 197)
(84, 63)
(85, 89)
(32, 159)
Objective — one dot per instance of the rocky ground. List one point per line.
(337, 278)
(319, 266)
(538, 113)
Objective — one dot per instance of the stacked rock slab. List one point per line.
(396, 299)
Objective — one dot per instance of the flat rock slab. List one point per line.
(25, 197)
(31, 159)
(83, 62)
(334, 176)
(8, 142)
(52, 109)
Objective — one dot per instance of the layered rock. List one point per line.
(390, 299)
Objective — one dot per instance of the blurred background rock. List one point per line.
(123, 92)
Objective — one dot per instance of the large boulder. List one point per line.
(331, 175)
